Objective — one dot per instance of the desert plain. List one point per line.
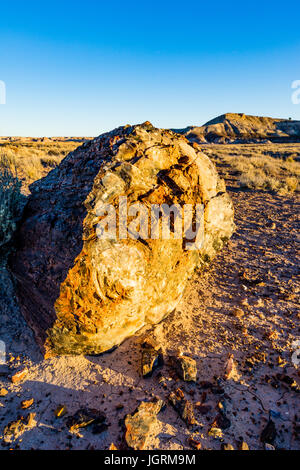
(238, 319)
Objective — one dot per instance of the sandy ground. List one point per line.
(245, 303)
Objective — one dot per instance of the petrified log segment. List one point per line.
(84, 294)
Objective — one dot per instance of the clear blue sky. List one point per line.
(84, 67)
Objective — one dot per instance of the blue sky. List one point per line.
(82, 68)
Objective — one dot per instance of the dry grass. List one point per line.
(271, 167)
(11, 202)
(31, 160)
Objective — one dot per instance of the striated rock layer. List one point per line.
(81, 293)
(241, 128)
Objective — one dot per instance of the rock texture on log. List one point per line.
(83, 294)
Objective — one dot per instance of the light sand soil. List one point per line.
(257, 273)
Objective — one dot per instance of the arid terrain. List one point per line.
(239, 319)
(33, 158)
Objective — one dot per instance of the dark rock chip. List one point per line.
(289, 381)
(269, 433)
(221, 421)
(185, 367)
(85, 417)
(16, 428)
(152, 358)
(184, 407)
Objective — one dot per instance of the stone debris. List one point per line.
(244, 446)
(85, 417)
(19, 376)
(185, 367)
(16, 428)
(230, 368)
(142, 424)
(221, 421)
(27, 403)
(238, 313)
(112, 447)
(255, 359)
(3, 392)
(216, 433)
(60, 411)
(152, 358)
(227, 447)
(194, 443)
(288, 381)
(184, 407)
(150, 343)
(269, 447)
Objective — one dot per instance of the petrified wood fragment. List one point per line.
(141, 425)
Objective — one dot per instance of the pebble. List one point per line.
(184, 407)
(19, 376)
(85, 417)
(186, 367)
(269, 447)
(27, 403)
(227, 447)
(60, 411)
(194, 443)
(244, 446)
(152, 358)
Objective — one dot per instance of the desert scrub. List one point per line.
(34, 159)
(50, 162)
(271, 174)
(11, 201)
(256, 170)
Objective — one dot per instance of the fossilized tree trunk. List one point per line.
(82, 293)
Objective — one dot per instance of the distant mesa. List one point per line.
(236, 128)
(241, 128)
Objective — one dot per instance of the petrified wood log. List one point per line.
(84, 293)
